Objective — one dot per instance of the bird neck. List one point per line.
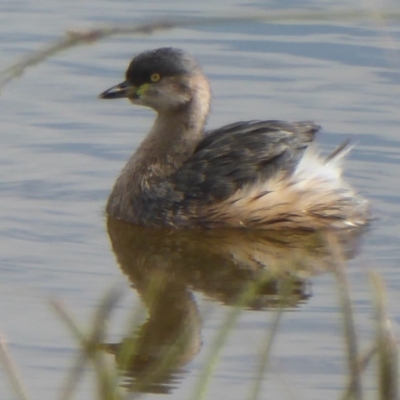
(174, 134)
(171, 140)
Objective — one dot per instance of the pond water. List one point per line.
(62, 148)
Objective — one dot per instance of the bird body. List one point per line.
(255, 174)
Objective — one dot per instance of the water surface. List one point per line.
(62, 149)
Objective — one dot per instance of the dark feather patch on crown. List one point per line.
(166, 61)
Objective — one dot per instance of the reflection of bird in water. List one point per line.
(168, 340)
(221, 263)
(256, 269)
(257, 174)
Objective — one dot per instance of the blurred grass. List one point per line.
(11, 372)
(384, 349)
(386, 344)
(75, 38)
(107, 379)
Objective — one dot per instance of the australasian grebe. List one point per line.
(254, 174)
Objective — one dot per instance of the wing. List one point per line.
(241, 153)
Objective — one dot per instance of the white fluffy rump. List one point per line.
(313, 196)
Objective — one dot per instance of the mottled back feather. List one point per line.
(241, 154)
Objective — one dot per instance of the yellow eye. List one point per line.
(155, 77)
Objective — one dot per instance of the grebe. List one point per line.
(254, 174)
